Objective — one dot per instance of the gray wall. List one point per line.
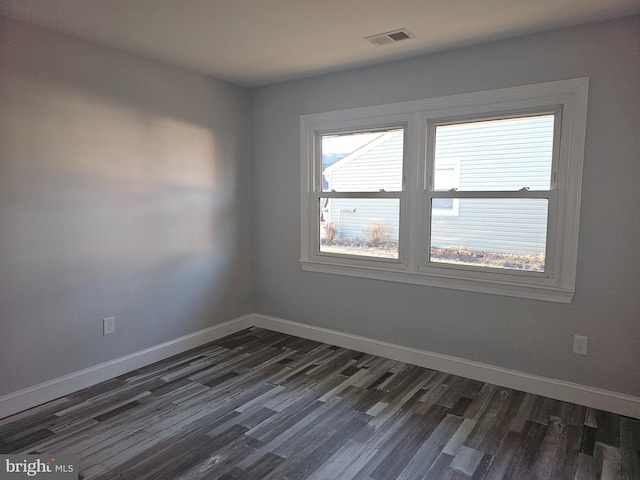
(125, 190)
(526, 335)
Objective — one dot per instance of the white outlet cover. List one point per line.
(580, 344)
(108, 325)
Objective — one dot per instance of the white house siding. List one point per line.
(490, 157)
(499, 155)
(494, 225)
(353, 224)
(379, 165)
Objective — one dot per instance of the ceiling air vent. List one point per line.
(390, 37)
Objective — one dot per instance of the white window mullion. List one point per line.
(414, 168)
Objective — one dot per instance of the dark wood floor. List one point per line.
(263, 405)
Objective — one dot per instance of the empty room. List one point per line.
(295, 239)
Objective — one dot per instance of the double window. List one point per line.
(476, 192)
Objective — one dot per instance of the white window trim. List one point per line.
(570, 95)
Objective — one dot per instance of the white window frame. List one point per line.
(557, 284)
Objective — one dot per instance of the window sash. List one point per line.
(402, 235)
(550, 240)
(433, 123)
(381, 125)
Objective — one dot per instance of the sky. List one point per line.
(346, 143)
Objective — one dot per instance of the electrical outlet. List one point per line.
(580, 344)
(108, 325)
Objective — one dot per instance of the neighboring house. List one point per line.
(477, 156)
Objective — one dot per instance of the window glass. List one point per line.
(506, 233)
(363, 161)
(360, 226)
(504, 154)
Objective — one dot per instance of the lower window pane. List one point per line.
(360, 226)
(502, 233)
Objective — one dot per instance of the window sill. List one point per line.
(509, 289)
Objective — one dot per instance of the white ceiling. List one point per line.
(257, 42)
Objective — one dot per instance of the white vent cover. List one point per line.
(390, 37)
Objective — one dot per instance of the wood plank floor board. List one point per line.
(376, 441)
(266, 405)
(588, 443)
(488, 417)
(504, 456)
(430, 448)
(263, 467)
(364, 403)
(461, 406)
(524, 413)
(480, 402)
(224, 460)
(337, 464)
(98, 389)
(276, 425)
(34, 414)
(497, 433)
(295, 427)
(566, 460)
(406, 441)
(457, 387)
(115, 446)
(18, 442)
(328, 420)
(630, 448)
(608, 431)
(300, 466)
(549, 448)
(456, 441)
(466, 461)
(482, 469)
(431, 398)
(541, 409)
(572, 414)
(87, 434)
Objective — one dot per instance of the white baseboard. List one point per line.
(566, 391)
(44, 392)
(614, 402)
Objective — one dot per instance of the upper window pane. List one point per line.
(362, 161)
(502, 154)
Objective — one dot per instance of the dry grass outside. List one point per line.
(378, 233)
(456, 256)
(356, 246)
(331, 232)
(479, 258)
